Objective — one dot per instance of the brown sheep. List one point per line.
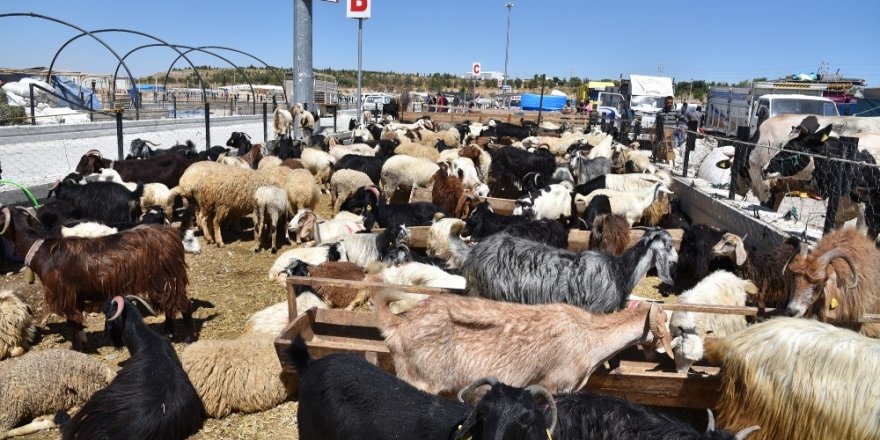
(448, 192)
(656, 211)
(610, 234)
(837, 282)
(253, 156)
(294, 164)
(336, 297)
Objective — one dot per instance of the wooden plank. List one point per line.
(368, 285)
(499, 206)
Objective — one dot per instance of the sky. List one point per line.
(711, 40)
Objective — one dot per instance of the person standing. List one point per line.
(441, 102)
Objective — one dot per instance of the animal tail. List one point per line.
(299, 354)
(138, 191)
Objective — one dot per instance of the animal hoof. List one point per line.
(274, 250)
(257, 250)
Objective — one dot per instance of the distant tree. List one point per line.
(574, 82)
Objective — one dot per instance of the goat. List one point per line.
(369, 165)
(610, 234)
(369, 202)
(552, 202)
(695, 253)
(848, 288)
(135, 404)
(439, 343)
(619, 182)
(448, 192)
(104, 202)
(483, 222)
(332, 388)
(147, 259)
(628, 204)
(586, 170)
(510, 164)
(240, 143)
(140, 150)
(306, 225)
(508, 268)
(165, 169)
(282, 122)
(765, 269)
(501, 129)
(599, 205)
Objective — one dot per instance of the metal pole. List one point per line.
(690, 145)
(119, 133)
(265, 122)
(541, 100)
(174, 98)
(33, 118)
(208, 125)
(740, 156)
(844, 171)
(302, 53)
(506, 47)
(360, 65)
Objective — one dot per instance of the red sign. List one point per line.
(358, 8)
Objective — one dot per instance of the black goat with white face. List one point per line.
(333, 391)
(240, 141)
(151, 397)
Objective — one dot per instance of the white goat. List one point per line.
(631, 205)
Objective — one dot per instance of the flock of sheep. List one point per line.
(517, 349)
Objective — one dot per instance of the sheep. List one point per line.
(313, 255)
(609, 234)
(418, 274)
(363, 249)
(340, 151)
(630, 205)
(509, 268)
(796, 379)
(551, 202)
(269, 162)
(344, 183)
(848, 287)
(46, 382)
(765, 269)
(418, 151)
(17, 330)
(448, 192)
(147, 259)
(333, 387)
(241, 374)
(440, 343)
(270, 203)
(444, 242)
(135, 404)
(403, 173)
(689, 328)
(88, 230)
(482, 159)
(369, 165)
(319, 163)
(590, 415)
(166, 169)
(335, 297)
(586, 170)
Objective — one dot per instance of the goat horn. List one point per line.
(785, 267)
(94, 153)
(742, 434)
(120, 303)
(538, 390)
(6, 218)
(659, 330)
(143, 303)
(711, 426)
(837, 253)
(152, 143)
(490, 380)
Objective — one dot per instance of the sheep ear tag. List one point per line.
(723, 164)
(369, 208)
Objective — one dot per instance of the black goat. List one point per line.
(240, 141)
(140, 150)
(483, 222)
(510, 165)
(151, 397)
(392, 108)
(333, 391)
(369, 165)
(288, 148)
(598, 205)
(369, 202)
(54, 213)
(105, 202)
(165, 169)
(695, 253)
(591, 416)
(550, 232)
(500, 129)
(212, 153)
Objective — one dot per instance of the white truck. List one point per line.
(641, 96)
(730, 107)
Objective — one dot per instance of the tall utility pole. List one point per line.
(507, 45)
(302, 53)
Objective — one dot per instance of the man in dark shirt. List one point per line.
(670, 118)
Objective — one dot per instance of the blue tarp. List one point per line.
(531, 101)
(150, 88)
(74, 94)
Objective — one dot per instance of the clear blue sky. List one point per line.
(727, 41)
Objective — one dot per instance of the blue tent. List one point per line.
(74, 94)
(530, 101)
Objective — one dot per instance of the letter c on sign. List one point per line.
(359, 5)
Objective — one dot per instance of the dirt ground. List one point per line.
(227, 285)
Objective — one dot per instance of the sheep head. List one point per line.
(814, 275)
(731, 246)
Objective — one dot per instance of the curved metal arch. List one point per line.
(250, 83)
(143, 34)
(84, 32)
(278, 69)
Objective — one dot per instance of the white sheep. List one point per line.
(310, 255)
(87, 230)
(417, 274)
(17, 329)
(344, 183)
(405, 173)
(689, 328)
(306, 226)
(270, 203)
(418, 150)
(445, 242)
(339, 151)
(46, 382)
(631, 205)
(268, 162)
(319, 163)
(233, 161)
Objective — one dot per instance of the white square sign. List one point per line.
(358, 8)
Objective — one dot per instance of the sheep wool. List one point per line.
(17, 330)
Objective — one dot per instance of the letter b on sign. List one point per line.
(358, 8)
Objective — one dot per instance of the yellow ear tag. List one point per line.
(369, 208)
(824, 137)
(834, 303)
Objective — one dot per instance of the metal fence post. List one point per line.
(740, 156)
(637, 130)
(33, 117)
(208, 125)
(119, 133)
(690, 145)
(541, 100)
(845, 170)
(265, 123)
(174, 102)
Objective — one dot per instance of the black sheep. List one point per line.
(151, 397)
(369, 165)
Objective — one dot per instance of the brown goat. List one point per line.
(656, 211)
(448, 192)
(610, 234)
(294, 164)
(148, 259)
(844, 271)
(253, 156)
(440, 343)
(340, 296)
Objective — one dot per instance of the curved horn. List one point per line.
(94, 153)
(837, 253)
(120, 303)
(462, 394)
(143, 303)
(538, 390)
(711, 425)
(742, 434)
(151, 143)
(373, 189)
(6, 219)
(658, 328)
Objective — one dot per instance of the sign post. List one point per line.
(475, 73)
(359, 9)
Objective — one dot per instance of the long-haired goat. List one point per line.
(799, 378)
(165, 169)
(508, 268)
(844, 270)
(137, 404)
(764, 268)
(144, 260)
(444, 342)
(610, 234)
